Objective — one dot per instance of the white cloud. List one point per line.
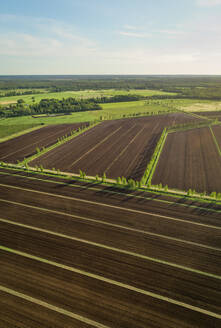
(54, 47)
(208, 3)
(45, 38)
(171, 32)
(28, 45)
(135, 35)
(130, 27)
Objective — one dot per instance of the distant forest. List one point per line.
(187, 86)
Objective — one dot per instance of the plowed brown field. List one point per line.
(90, 256)
(211, 114)
(25, 145)
(118, 148)
(190, 159)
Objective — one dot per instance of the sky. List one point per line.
(110, 37)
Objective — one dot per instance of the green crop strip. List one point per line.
(214, 139)
(154, 159)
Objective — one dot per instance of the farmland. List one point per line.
(28, 99)
(95, 250)
(109, 111)
(118, 148)
(7, 130)
(211, 114)
(25, 145)
(217, 133)
(65, 257)
(193, 157)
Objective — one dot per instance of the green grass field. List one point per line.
(202, 106)
(7, 130)
(81, 94)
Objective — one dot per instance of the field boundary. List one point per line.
(214, 139)
(109, 182)
(93, 180)
(60, 142)
(146, 179)
(106, 205)
(190, 126)
(195, 115)
(18, 134)
(111, 117)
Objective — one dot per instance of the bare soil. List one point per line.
(190, 159)
(116, 148)
(45, 205)
(21, 147)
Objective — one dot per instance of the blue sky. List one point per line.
(110, 37)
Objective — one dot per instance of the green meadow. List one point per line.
(14, 129)
(81, 95)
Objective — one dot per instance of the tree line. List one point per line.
(201, 87)
(49, 106)
(18, 93)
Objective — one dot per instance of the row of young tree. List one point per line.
(128, 183)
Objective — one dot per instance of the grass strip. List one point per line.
(116, 283)
(17, 134)
(153, 191)
(94, 203)
(148, 174)
(195, 115)
(214, 139)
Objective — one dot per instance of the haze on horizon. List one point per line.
(110, 37)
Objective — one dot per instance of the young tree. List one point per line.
(124, 181)
(213, 194)
(104, 177)
(189, 192)
(218, 196)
